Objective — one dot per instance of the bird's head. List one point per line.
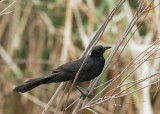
(99, 50)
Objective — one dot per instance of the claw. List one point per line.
(85, 95)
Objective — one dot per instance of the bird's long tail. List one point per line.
(30, 84)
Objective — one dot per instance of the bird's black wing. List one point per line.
(74, 66)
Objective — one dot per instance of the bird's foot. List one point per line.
(84, 95)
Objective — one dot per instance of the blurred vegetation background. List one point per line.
(37, 36)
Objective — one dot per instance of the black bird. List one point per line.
(91, 69)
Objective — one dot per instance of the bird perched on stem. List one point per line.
(91, 69)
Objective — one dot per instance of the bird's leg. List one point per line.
(80, 90)
(87, 90)
(83, 94)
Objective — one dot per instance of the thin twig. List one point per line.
(116, 95)
(53, 98)
(119, 43)
(1, 13)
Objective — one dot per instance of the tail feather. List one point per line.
(30, 84)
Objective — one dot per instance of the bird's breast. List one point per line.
(97, 68)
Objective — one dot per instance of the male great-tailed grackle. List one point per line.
(91, 69)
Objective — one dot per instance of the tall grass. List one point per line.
(38, 36)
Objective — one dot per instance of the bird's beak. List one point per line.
(105, 48)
